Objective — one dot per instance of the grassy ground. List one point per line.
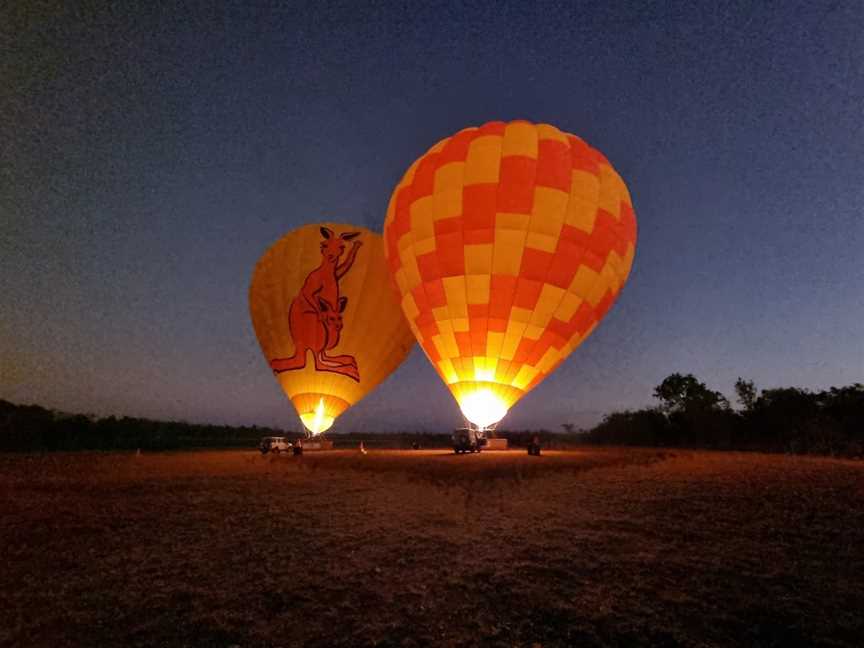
(401, 548)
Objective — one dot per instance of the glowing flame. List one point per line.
(317, 422)
(483, 408)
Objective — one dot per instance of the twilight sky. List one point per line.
(149, 156)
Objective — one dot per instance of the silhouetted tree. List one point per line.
(678, 393)
(746, 392)
(640, 427)
(787, 419)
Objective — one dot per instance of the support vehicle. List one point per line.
(274, 444)
(468, 440)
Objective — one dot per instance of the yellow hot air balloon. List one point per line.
(325, 318)
(507, 244)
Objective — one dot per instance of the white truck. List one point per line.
(274, 444)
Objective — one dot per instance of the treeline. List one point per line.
(688, 414)
(34, 428)
(786, 419)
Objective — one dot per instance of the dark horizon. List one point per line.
(151, 155)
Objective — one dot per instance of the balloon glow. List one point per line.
(318, 421)
(507, 244)
(327, 325)
(483, 407)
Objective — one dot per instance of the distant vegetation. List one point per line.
(688, 414)
(34, 428)
(31, 427)
(786, 419)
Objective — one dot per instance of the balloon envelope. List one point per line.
(326, 321)
(507, 244)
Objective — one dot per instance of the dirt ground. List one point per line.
(423, 548)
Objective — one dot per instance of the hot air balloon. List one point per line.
(327, 322)
(507, 244)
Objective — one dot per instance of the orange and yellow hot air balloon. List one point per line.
(326, 321)
(507, 244)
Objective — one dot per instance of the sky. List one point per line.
(150, 154)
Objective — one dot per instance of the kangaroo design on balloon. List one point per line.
(315, 314)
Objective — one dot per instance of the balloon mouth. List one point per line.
(317, 421)
(483, 407)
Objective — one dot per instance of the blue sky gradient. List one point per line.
(150, 156)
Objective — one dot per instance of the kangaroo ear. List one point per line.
(323, 305)
(326, 232)
(347, 236)
(343, 302)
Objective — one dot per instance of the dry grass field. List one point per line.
(424, 548)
